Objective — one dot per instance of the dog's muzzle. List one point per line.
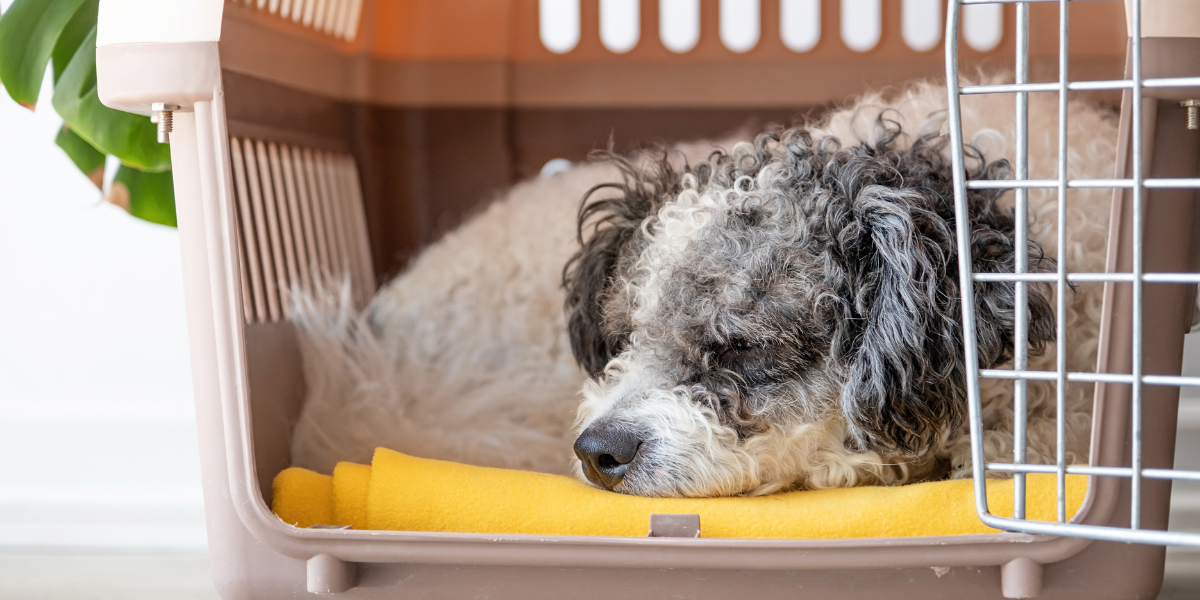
(606, 451)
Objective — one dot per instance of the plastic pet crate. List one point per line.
(307, 135)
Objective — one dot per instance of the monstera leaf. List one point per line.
(28, 33)
(147, 196)
(36, 33)
(84, 155)
(125, 135)
(72, 36)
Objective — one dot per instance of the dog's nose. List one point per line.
(606, 451)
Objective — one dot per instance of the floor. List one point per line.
(104, 574)
(47, 574)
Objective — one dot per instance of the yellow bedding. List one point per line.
(404, 493)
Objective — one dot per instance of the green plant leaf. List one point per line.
(147, 196)
(131, 138)
(72, 36)
(84, 155)
(28, 32)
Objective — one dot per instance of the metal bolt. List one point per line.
(1193, 113)
(164, 114)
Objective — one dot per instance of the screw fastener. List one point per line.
(163, 112)
(1193, 113)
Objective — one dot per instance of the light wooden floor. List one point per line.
(79, 574)
(156, 575)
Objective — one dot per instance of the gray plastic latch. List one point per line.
(680, 526)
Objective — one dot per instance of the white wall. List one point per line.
(97, 430)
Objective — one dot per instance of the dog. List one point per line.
(765, 313)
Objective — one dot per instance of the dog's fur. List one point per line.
(782, 315)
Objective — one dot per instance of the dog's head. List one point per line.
(784, 315)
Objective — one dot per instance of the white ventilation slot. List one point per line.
(620, 24)
(800, 24)
(861, 24)
(558, 24)
(739, 24)
(300, 219)
(679, 24)
(338, 18)
(921, 23)
(983, 26)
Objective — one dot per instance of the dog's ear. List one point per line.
(610, 219)
(587, 277)
(902, 338)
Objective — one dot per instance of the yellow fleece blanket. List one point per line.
(404, 493)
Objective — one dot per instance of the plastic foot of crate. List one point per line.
(329, 575)
(1021, 578)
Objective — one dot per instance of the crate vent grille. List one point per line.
(338, 18)
(300, 220)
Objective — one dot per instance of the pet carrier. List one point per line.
(306, 133)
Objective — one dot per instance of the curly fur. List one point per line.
(781, 315)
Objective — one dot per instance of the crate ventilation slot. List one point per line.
(338, 18)
(300, 220)
(742, 23)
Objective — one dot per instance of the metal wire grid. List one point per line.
(1021, 88)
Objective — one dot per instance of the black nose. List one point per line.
(606, 451)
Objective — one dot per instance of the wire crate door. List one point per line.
(1149, 276)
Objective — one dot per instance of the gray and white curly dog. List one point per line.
(741, 317)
